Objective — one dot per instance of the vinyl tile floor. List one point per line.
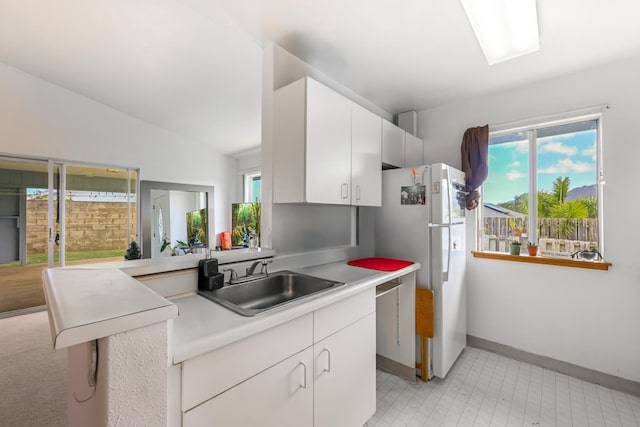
(485, 389)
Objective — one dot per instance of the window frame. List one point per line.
(531, 128)
(248, 187)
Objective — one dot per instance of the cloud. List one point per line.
(563, 136)
(567, 165)
(515, 175)
(591, 152)
(557, 147)
(522, 146)
(514, 164)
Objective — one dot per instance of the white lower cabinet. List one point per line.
(281, 396)
(317, 370)
(344, 376)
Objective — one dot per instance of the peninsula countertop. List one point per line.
(93, 301)
(86, 304)
(204, 326)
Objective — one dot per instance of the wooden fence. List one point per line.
(497, 233)
(585, 229)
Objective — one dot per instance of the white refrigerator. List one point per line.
(422, 220)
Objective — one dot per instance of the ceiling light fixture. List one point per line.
(505, 29)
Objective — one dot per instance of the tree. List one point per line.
(561, 188)
(546, 202)
(567, 211)
(521, 203)
(591, 205)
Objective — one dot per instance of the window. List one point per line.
(252, 187)
(553, 168)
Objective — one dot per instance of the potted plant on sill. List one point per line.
(514, 247)
(532, 248)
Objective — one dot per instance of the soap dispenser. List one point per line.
(209, 278)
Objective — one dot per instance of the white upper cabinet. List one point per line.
(413, 150)
(392, 144)
(312, 149)
(327, 149)
(366, 157)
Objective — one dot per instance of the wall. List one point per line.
(131, 382)
(587, 318)
(40, 119)
(90, 226)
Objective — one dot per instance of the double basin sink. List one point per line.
(276, 290)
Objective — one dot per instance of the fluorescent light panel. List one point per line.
(505, 29)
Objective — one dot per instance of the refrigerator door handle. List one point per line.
(445, 272)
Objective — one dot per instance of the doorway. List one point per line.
(161, 222)
(10, 219)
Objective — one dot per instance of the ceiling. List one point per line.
(194, 66)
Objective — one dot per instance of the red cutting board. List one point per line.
(382, 264)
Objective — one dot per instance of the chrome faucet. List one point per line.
(263, 268)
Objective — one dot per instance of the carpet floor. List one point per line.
(33, 377)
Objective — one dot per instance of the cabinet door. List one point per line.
(392, 144)
(328, 146)
(366, 157)
(345, 376)
(413, 150)
(280, 396)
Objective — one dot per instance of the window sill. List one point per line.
(564, 262)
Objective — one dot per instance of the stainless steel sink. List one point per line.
(280, 288)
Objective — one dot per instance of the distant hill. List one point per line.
(580, 192)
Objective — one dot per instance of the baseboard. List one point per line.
(22, 311)
(405, 372)
(586, 374)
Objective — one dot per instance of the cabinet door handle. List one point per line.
(357, 192)
(328, 368)
(344, 191)
(304, 382)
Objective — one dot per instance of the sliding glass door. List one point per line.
(99, 213)
(93, 221)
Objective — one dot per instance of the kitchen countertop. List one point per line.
(93, 301)
(88, 304)
(204, 326)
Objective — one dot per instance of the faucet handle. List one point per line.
(263, 268)
(233, 274)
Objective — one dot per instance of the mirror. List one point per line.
(177, 212)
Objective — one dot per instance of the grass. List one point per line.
(71, 256)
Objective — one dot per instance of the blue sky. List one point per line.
(572, 155)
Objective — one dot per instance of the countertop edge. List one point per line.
(67, 331)
(81, 334)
